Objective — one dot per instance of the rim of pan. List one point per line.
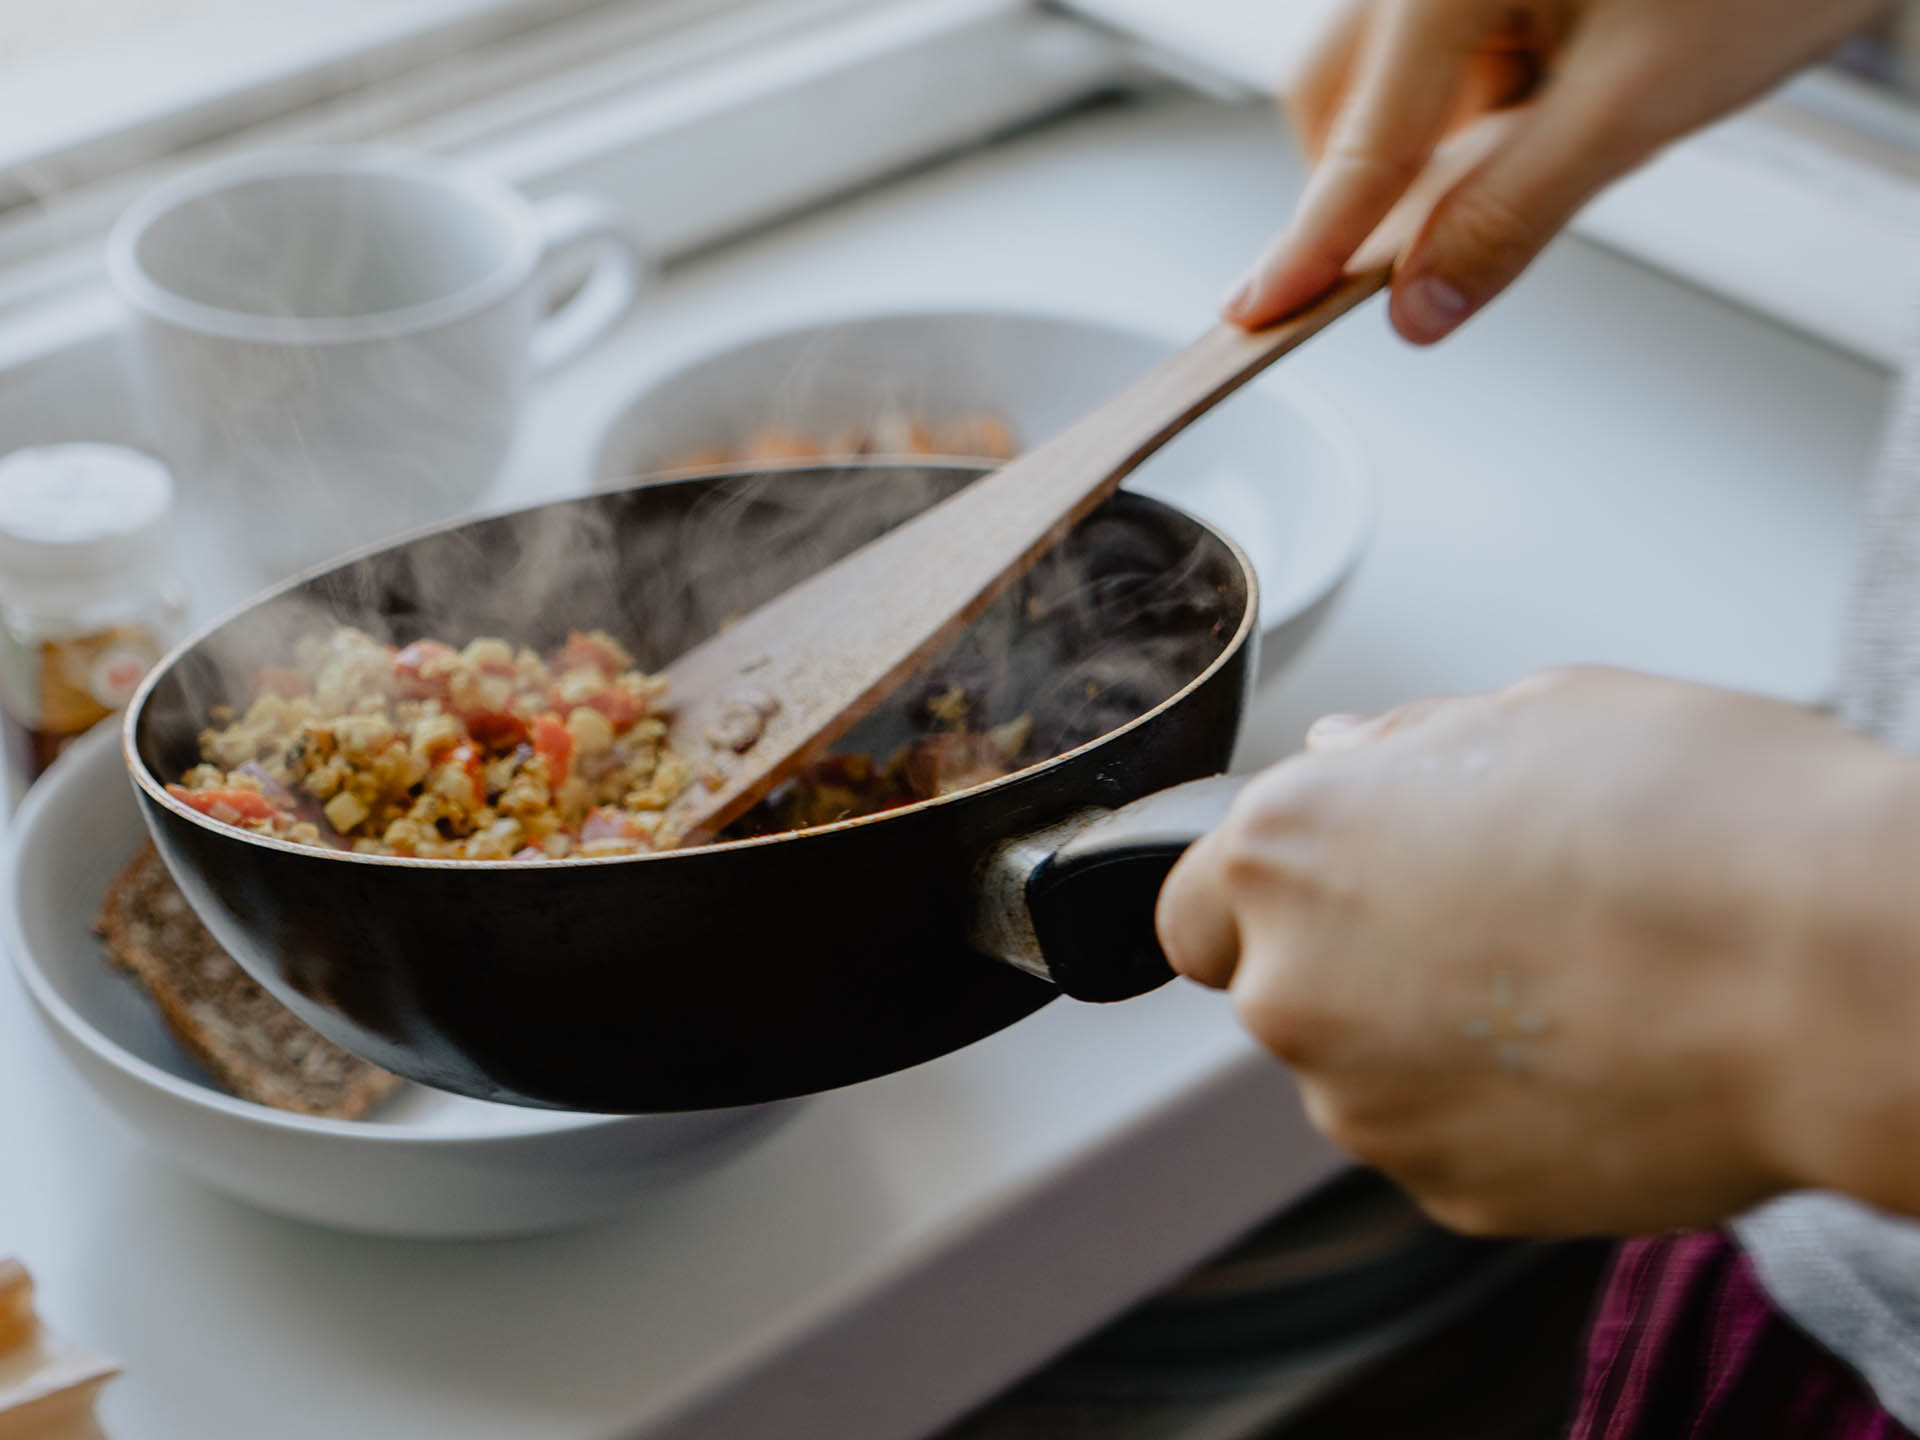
(156, 791)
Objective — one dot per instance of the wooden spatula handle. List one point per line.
(1075, 471)
(764, 697)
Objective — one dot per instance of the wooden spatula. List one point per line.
(773, 691)
(764, 697)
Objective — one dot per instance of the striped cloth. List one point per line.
(1687, 1345)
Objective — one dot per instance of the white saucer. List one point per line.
(425, 1164)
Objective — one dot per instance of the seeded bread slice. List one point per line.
(251, 1044)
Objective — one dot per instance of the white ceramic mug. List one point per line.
(332, 344)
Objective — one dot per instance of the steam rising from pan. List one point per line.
(1106, 627)
(1105, 607)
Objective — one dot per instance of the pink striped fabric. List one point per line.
(1685, 1345)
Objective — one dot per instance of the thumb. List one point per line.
(1489, 227)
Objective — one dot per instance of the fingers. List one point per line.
(1313, 97)
(1195, 917)
(1197, 914)
(1387, 82)
(1485, 231)
(1495, 78)
(1501, 73)
(1409, 71)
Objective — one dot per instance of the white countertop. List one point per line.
(1609, 467)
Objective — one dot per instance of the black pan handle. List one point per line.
(1075, 903)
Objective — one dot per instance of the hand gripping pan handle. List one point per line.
(1074, 903)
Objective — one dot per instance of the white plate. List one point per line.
(425, 1164)
(1275, 467)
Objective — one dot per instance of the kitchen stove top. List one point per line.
(1314, 1299)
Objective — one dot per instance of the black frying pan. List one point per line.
(765, 967)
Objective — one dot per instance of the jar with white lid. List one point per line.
(89, 594)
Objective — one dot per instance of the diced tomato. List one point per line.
(551, 741)
(279, 680)
(582, 650)
(422, 668)
(232, 807)
(496, 729)
(498, 667)
(604, 824)
(619, 706)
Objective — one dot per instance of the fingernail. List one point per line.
(1429, 309)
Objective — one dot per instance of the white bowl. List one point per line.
(1275, 467)
(425, 1164)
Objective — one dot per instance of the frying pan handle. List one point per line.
(1075, 903)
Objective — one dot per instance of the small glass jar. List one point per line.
(89, 595)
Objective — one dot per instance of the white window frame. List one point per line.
(78, 135)
(1806, 208)
(683, 110)
(77, 115)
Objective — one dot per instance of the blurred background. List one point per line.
(1659, 442)
(28, 31)
(1889, 55)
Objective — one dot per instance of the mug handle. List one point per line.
(603, 299)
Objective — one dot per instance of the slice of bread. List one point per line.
(251, 1044)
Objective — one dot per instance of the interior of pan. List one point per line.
(1100, 633)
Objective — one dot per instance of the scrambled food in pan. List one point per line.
(483, 753)
(493, 752)
(839, 786)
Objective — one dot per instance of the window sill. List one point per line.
(700, 132)
(76, 116)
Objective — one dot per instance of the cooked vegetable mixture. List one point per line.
(842, 785)
(978, 436)
(486, 753)
(493, 753)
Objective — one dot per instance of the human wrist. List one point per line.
(1838, 1100)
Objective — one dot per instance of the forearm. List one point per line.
(1845, 1090)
